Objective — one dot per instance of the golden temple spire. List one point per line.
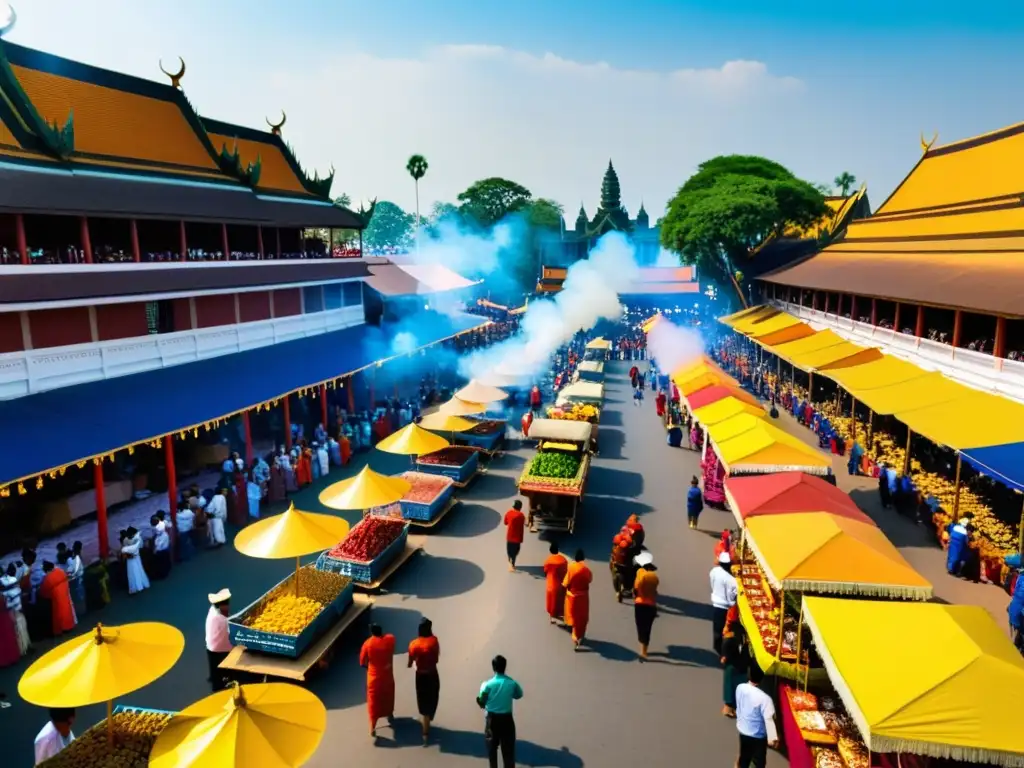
(175, 78)
(926, 145)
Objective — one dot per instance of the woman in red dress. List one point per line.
(378, 656)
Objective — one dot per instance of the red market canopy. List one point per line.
(786, 493)
(713, 394)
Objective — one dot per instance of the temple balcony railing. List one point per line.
(26, 373)
(975, 369)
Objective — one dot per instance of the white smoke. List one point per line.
(472, 254)
(666, 258)
(590, 293)
(404, 343)
(673, 346)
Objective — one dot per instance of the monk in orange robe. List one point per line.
(378, 655)
(346, 449)
(555, 568)
(55, 588)
(577, 597)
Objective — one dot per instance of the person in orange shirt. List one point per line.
(55, 588)
(425, 652)
(555, 568)
(645, 600)
(577, 597)
(515, 522)
(377, 655)
(304, 467)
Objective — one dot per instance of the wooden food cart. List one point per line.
(554, 501)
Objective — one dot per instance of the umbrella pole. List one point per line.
(853, 418)
(110, 723)
(956, 493)
(799, 637)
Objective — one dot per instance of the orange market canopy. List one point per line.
(790, 350)
(822, 349)
(924, 679)
(779, 329)
(815, 552)
(746, 444)
(710, 395)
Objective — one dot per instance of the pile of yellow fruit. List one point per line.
(134, 734)
(576, 412)
(283, 612)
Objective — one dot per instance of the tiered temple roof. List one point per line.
(951, 234)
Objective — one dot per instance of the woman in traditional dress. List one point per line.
(14, 639)
(577, 597)
(323, 458)
(425, 652)
(131, 549)
(555, 568)
(377, 655)
(254, 495)
(314, 463)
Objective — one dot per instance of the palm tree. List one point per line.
(417, 168)
(845, 182)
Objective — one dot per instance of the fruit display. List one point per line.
(283, 612)
(532, 478)
(452, 456)
(371, 536)
(555, 464)
(831, 727)
(425, 488)
(135, 731)
(286, 615)
(588, 413)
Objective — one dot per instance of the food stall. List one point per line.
(555, 480)
(460, 463)
(486, 435)
(586, 414)
(430, 498)
(376, 547)
(915, 685)
(581, 393)
(784, 493)
(597, 349)
(590, 370)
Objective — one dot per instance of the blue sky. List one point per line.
(546, 92)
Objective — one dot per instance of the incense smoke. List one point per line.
(590, 293)
(673, 346)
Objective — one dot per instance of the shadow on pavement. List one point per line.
(468, 520)
(608, 650)
(492, 487)
(429, 577)
(610, 419)
(610, 443)
(620, 483)
(680, 606)
(528, 754)
(689, 656)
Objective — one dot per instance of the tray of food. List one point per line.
(458, 462)
(285, 623)
(428, 496)
(487, 435)
(370, 547)
(558, 473)
(826, 758)
(135, 732)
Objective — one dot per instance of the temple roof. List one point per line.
(950, 235)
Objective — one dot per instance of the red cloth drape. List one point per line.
(799, 752)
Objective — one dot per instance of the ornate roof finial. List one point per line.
(7, 17)
(276, 129)
(926, 145)
(175, 78)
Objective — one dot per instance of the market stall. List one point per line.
(929, 680)
(460, 463)
(581, 393)
(784, 493)
(586, 414)
(746, 444)
(711, 395)
(554, 481)
(590, 370)
(724, 409)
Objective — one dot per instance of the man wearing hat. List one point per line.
(723, 597)
(218, 642)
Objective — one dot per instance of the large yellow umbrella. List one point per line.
(442, 422)
(478, 392)
(412, 440)
(270, 725)
(458, 407)
(366, 490)
(291, 534)
(102, 665)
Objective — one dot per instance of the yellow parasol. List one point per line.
(102, 665)
(459, 407)
(412, 440)
(291, 534)
(270, 725)
(477, 392)
(442, 422)
(366, 490)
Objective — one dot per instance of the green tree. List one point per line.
(488, 201)
(344, 200)
(729, 207)
(845, 181)
(417, 168)
(545, 213)
(390, 227)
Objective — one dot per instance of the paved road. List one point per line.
(598, 708)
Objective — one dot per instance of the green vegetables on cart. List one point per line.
(561, 465)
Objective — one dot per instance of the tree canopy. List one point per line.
(545, 213)
(845, 181)
(488, 201)
(390, 227)
(730, 206)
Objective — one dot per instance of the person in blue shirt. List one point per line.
(1016, 612)
(694, 502)
(495, 698)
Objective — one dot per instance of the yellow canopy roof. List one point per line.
(442, 422)
(366, 490)
(478, 392)
(821, 553)
(599, 343)
(924, 391)
(701, 381)
(875, 374)
(840, 356)
(293, 533)
(773, 323)
(101, 665)
(724, 409)
(735, 317)
(412, 440)
(744, 324)
(924, 678)
(650, 323)
(791, 350)
(973, 420)
(746, 443)
(271, 725)
(459, 407)
(783, 335)
(696, 367)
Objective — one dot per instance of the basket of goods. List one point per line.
(370, 547)
(827, 758)
(813, 727)
(135, 732)
(577, 412)
(458, 462)
(428, 496)
(486, 435)
(854, 753)
(555, 472)
(285, 621)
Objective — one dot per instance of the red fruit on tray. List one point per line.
(425, 487)
(452, 456)
(367, 539)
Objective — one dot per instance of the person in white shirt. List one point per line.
(11, 588)
(218, 638)
(161, 548)
(55, 735)
(217, 512)
(185, 521)
(723, 597)
(755, 721)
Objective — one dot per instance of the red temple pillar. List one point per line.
(277, 236)
(83, 228)
(224, 242)
(958, 321)
(999, 350)
(323, 404)
(350, 385)
(919, 323)
(136, 251)
(896, 319)
(183, 240)
(172, 479)
(101, 509)
(874, 312)
(259, 238)
(287, 423)
(248, 438)
(21, 239)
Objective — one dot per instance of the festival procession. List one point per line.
(268, 451)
